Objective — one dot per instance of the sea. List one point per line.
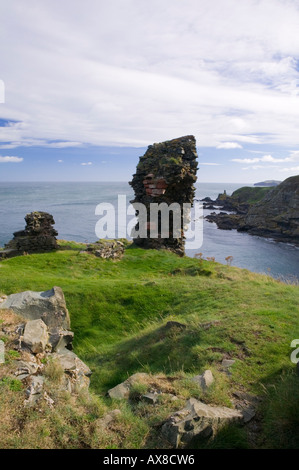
(73, 206)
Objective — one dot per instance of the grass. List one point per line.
(118, 314)
(250, 195)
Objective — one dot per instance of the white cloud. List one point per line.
(229, 145)
(86, 163)
(60, 161)
(11, 159)
(292, 170)
(210, 68)
(294, 156)
(210, 164)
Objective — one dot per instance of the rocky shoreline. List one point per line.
(272, 214)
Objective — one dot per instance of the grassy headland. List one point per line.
(118, 310)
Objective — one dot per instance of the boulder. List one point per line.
(122, 391)
(205, 380)
(35, 336)
(197, 420)
(50, 306)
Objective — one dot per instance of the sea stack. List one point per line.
(166, 173)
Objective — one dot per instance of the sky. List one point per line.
(87, 85)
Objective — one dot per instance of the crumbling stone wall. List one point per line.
(38, 235)
(165, 174)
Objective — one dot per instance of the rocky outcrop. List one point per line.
(122, 390)
(165, 174)
(38, 236)
(277, 214)
(107, 249)
(198, 420)
(265, 212)
(41, 335)
(48, 306)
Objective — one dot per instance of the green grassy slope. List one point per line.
(118, 309)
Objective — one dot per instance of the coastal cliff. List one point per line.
(277, 214)
(265, 212)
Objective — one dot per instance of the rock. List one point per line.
(69, 361)
(166, 173)
(60, 339)
(122, 391)
(50, 306)
(227, 363)
(197, 420)
(150, 398)
(35, 336)
(38, 236)
(175, 324)
(26, 368)
(107, 249)
(205, 380)
(36, 384)
(108, 419)
(277, 214)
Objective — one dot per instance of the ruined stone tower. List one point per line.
(38, 236)
(165, 174)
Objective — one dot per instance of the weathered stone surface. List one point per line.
(35, 336)
(227, 362)
(108, 419)
(39, 344)
(107, 249)
(38, 236)
(69, 361)
(204, 380)
(122, 391)
(165, 174)
(50, 306)
(197, 420)
(150, 398)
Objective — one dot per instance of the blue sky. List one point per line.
(85, 87)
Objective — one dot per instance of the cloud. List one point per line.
(210, 164)
(86, 163)
(229, 145)
(294, 156)
(293, 169)
(11, 159)
(209, 68)
(60, 161)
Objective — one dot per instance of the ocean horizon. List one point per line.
(73, 204)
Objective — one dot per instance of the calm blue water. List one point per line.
(73, 207)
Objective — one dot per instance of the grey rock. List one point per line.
(122, 391)
(35, 336)
(197, 420)
(150, 398)
(36, 385)
(205, 380)
(60, 339)
(108, 418)
(227, 363)
(50, 306)
(28, 368)
(69, 361)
